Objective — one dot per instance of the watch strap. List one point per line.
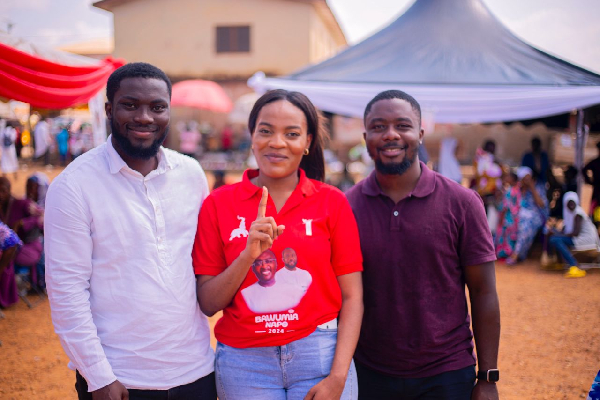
(490, 375)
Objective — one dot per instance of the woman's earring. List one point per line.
(305, 152)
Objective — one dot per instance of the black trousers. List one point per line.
(202, 389)
(451, 385)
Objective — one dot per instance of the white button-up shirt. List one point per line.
(119, 270)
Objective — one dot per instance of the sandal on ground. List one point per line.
(575, 272)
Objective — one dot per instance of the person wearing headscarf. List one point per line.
(36, 188)
(9, 162)
(35, 191)
(448, 165)
(26, 218)
(579, 233)
(532, 214)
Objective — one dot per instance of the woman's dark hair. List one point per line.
(313, 164)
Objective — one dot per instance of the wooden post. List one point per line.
(579, 150)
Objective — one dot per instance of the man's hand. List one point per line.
(484, 391)
(329, 388)
(114, 391)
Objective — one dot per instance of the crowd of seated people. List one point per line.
(526, 204)
(21, 238)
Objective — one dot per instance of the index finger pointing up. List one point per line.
(262, 206)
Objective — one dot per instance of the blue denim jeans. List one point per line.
(280, 372)
(562, 244)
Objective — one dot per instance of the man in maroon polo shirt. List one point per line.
(423, 238)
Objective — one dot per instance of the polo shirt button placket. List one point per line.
(395, 221)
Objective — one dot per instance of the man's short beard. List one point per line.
(142, 153)
(396, 168)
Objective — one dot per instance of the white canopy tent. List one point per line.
(456, 59)
(449, 104)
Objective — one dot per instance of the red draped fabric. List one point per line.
(46, 84)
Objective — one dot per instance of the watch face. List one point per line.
(493, 375)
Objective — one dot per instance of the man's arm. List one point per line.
(485, 313)
(68, 246)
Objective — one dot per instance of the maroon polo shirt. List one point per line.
(416, 322)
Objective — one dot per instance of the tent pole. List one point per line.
(579, 150)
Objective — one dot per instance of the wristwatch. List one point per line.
(491, 375)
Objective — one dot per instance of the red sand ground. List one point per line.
(549, 349)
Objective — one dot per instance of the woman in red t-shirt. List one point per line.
(283, 281)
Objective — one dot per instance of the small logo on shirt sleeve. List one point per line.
(308, 225)
(240, 231)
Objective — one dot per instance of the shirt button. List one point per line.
(395, 213)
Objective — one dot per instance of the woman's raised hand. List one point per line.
(263, 231)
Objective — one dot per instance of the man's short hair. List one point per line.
(394, 94)
(134, 70)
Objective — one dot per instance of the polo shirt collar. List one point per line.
(116, 163)
(248, 189)
(425, 184)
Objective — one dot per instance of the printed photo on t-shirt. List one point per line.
(276, 290)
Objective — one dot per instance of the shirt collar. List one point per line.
(425, 184)
(248, 189)
(116, 163)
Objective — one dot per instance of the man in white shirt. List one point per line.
(119, 226)
(291, 273)
(42, 140)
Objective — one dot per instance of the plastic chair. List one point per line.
(587, 259)
(24, 285)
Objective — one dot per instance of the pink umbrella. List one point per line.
(205, 95)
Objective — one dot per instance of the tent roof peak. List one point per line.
(457, 42)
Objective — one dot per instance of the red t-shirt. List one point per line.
(320, 230)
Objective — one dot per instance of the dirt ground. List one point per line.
(549, 349)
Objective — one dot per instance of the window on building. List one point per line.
(233, 39)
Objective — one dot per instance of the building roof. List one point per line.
(321, 6)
